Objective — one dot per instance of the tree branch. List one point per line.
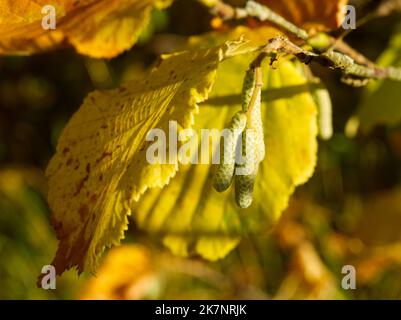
(263, 13)
(332, 59)
(256, 10)
(388, 7)
(356, 69)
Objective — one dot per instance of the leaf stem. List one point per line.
(256, 91)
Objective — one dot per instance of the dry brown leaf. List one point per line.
(311, 14)
(98, 28)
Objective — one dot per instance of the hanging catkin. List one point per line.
(246, 171)
(242, 145)
(253, 148)
(325, 113)
(228, 144)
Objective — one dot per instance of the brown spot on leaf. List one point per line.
(104, 155)
(81, 185)
(83, 211)
(93, 198)
(58, 227)
(53, 221)
(143, 146)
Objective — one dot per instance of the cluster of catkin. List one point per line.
(242, 146)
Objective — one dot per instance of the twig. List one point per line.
(223, 10)
(255, 10)
(354, 54)
(333, 59)
(388, 7)
(384, 9)
(355, 67)
(349, 67)
(263, 13)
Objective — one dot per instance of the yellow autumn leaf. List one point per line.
(190, 215)
(127, 272)
(100, 166)
(98, 28)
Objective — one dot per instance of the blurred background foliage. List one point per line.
(348, 213)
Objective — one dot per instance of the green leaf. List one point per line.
(380, 104)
